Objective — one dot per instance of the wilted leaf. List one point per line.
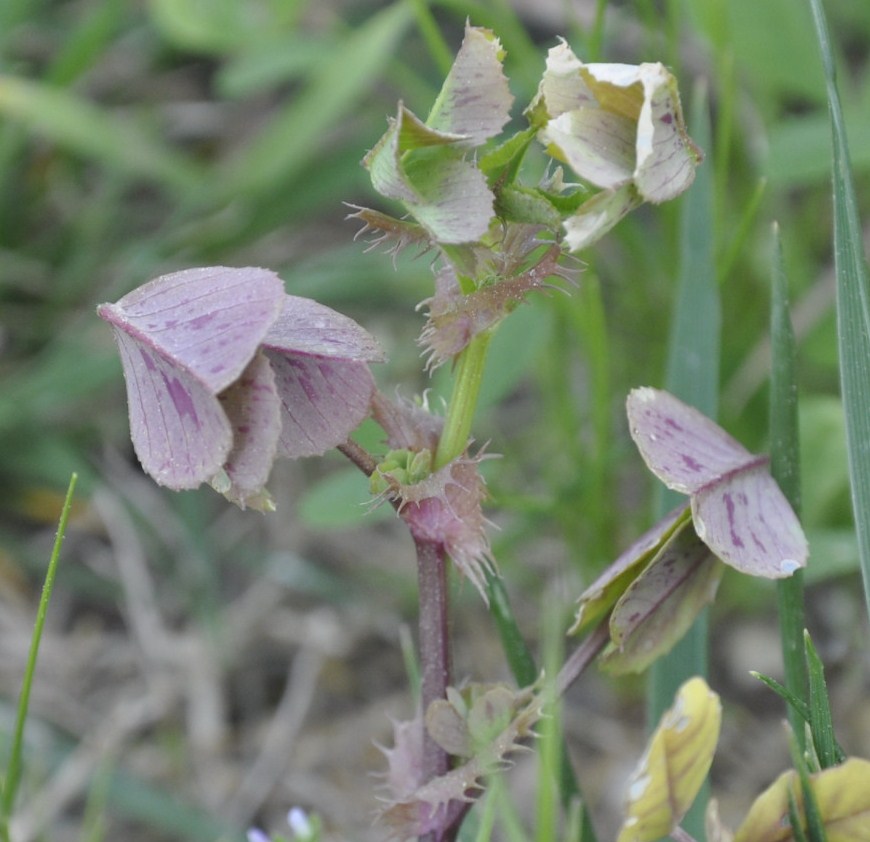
(842, 795)
(660, 605)
(738, 509)
(500, 717)
(601, 595)
(675, 764)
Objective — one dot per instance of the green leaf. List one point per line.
(797, 703)
(674, 765)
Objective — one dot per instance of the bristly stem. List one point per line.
(463, 401)
(435, 658)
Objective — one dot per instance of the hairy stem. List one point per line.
(359, 456)
(435, 658)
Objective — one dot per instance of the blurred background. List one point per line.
(205, 669)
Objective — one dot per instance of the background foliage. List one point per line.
(187, 643)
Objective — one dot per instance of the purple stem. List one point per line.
(582, 656)
(435, 659)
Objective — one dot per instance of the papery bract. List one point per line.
(521, 264)
(443, 508)
(620, 127)
(224, 371)
(738, 509)
(426, 166)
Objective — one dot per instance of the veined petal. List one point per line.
(308, 327)
(324, 400)
(666, 157)
(598, 145)
(562, 88)
(180, 432)
(254, 410)
(208, 321)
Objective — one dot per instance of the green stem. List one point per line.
(463, 401)
(13, 769)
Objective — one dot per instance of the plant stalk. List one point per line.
(435, 656)
(463, 401)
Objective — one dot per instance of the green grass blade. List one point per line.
(785, 468)
(821, 721)
(693, 376)
(853, 309)
(13, 767)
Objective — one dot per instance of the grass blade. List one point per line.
(13, 767)
(821, 721)
(853, 308)
(785, 468)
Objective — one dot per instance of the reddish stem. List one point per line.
(435, 658)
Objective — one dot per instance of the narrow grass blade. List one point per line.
(693, 376)
(813, 830)
(821, 721)
(13, 767)
(800, 706)
(853, 308)
(785, 468)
